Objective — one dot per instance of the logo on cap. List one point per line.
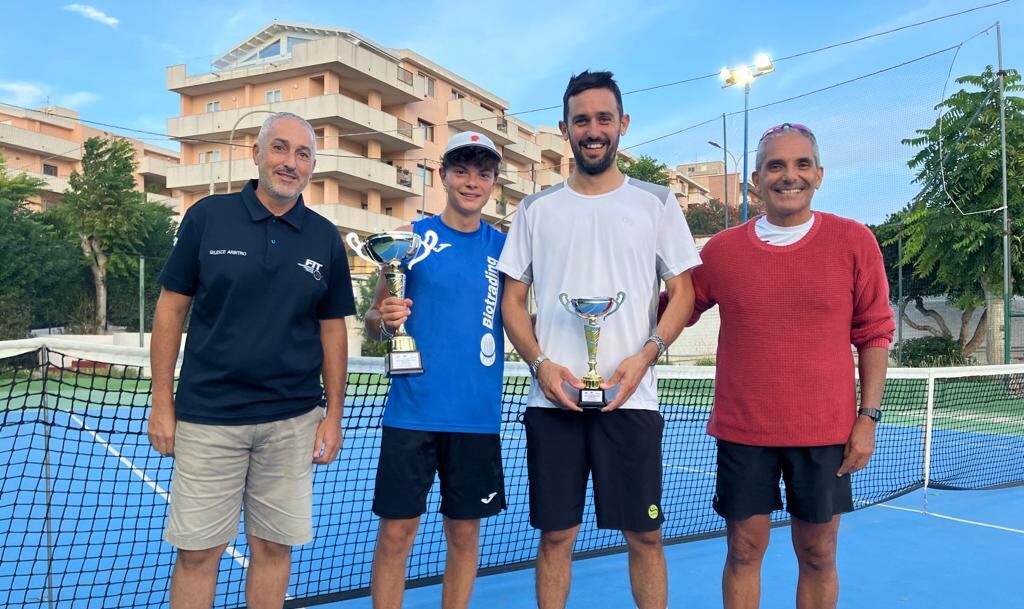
(474, 138)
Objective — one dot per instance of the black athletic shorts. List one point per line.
(622, 449)
(468, 465)
(748, 481)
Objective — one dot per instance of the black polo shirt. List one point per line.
(260, 286)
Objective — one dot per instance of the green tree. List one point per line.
(646, 168)
(104, 212)
(915, 290)
(40, 272)
(953, 229)
(707, 218)
(364, 298)
(155, 241)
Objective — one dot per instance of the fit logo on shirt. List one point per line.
(313, 268)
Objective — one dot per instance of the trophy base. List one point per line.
(401, 363)
(592, 398)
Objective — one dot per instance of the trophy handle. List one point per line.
(426, 246)
(359, 248)
(619, 299)
(565, 300)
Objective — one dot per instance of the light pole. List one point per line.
(744, 75)
(725, 170)
(231, 139)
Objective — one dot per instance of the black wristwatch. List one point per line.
(874, 414)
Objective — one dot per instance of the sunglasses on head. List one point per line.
(795, 126)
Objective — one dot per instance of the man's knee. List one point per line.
(747, 546)
(561, 540)
(200, 560)
(397, 535)
(643, 541)
(269, 550)
(819, 555)
(462, 535)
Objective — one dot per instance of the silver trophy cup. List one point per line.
(590, 309)
(390, 252)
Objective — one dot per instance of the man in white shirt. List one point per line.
(595, 235)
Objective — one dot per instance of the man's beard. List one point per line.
(599, 166)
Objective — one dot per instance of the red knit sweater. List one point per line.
(785, 370)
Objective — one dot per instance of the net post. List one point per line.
(142, 301)
(929, 416)
(44, 364)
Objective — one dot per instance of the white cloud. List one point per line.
(36, 95)
(77, 99)
(20, 93)
(93, 13)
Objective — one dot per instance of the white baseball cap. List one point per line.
(465, 139)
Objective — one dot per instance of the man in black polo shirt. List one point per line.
(268, 283)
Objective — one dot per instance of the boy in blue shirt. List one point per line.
(446, 420)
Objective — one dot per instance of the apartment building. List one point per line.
(709, 175)
(48, 144)
(382, 118)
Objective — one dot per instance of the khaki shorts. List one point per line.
(217, 468)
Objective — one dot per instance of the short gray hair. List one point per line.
(787, 128)
(261, 139)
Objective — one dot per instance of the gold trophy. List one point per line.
(390, 251)
(592, 396)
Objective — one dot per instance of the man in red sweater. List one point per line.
(795, 289)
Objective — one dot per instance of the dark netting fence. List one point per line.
(83, 498)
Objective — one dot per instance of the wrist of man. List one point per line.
(870, 412)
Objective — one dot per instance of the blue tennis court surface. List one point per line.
(109, 490)
(964, 554)
(83, 501)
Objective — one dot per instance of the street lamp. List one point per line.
(744, 75)
(231, 139)
(725, 171)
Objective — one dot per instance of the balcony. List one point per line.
(353, 219)
(464, 115)
(52, 184)
(357, 173)
(523, 151)
(548, 177)
(362, 69)
(349, 115)
(171, 203)
(154, 167)
(32, 141)
(517, 182)
(551, 144)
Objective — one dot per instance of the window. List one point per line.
(364, 206)
(431, 84)
(273, 96)
(388, 211)
(272, 50)
(427, 174)
(213, 106)
(420, 215)
(209, 156)
(49, 170)
(295, 40)
(428, 130)
(456, 94)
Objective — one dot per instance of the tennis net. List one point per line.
(84, 498)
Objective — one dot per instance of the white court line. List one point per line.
(692, 470)
(159, 490)
(954, 519)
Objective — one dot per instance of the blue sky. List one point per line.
(108, 60)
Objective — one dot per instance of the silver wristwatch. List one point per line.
(535, 364)
(658, 342)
